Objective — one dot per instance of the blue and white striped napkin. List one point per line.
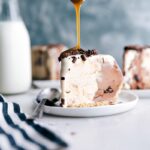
(19, 133)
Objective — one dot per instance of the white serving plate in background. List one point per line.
(141, 93)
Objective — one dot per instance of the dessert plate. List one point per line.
(141, 93)
(126, 102)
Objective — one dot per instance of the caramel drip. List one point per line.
(77, 5)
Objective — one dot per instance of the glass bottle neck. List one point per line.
(9, 10)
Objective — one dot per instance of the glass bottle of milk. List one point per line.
(15, 50)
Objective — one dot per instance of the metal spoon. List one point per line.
(51, 96)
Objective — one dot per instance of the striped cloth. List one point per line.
(19, 133)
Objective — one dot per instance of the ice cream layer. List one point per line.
(88, 80)
(136, 67)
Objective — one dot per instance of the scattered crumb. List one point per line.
(72, 133)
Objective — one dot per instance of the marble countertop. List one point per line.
(126, 131)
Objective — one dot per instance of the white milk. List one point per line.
(15, 57)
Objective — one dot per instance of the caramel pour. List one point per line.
(77, 4)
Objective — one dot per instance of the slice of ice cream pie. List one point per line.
(89, 79)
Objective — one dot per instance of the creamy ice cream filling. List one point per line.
(89, 79)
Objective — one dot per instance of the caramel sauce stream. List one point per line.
(77, 4)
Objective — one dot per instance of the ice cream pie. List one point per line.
(136, 67)
(89, 79)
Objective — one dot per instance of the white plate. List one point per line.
(126, 102)
(141, 93)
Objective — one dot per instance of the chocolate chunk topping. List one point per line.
(94, 52)
(108, 90)
(74, 59)
(136, 78)
(88, 53)
(74, 51)
(136, 47)
(62, 102)
(62, 78)
(83, 57)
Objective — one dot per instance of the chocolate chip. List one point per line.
(59, 58)
(74, 59)
(136, 78)
(111, 103)
(124, 73)
(62, 78)
(69, 69)
(68, 92)
(83, 57)
(108, 90)
(62, 102)
(103, 60)
(138, 88)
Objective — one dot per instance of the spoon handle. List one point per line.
(38, 112)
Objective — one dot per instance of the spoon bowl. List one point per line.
(51, 94)
(48, 96)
